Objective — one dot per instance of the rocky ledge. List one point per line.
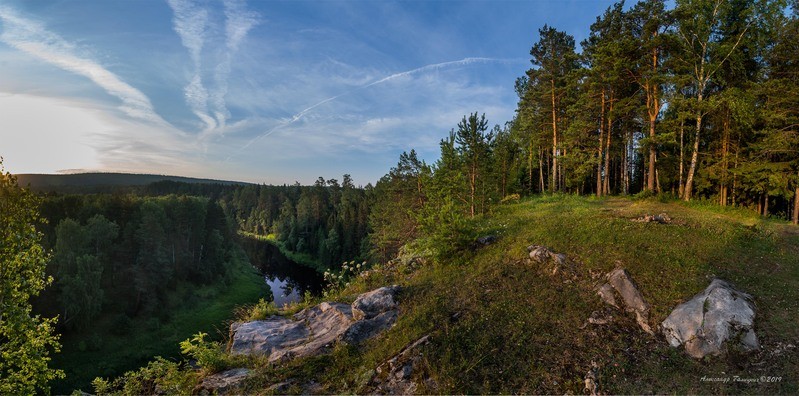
(314, 330)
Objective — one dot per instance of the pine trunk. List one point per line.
(725, 143)
(540, 170)
(682, 157)
(554, 186)
(601, 145)
(606, 186)
(796, 206)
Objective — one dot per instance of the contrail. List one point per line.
(435, 66)
(191, 23)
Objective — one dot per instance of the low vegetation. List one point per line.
(500, 325)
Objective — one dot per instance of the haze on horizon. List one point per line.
(259, 91)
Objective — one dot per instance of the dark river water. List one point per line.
(288, 280)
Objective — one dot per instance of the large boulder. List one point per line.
(718, 316)
(224, 383)
(265, 337)
(373, 303)
(310, 332)
(313, 330)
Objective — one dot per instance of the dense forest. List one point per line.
(120, 254)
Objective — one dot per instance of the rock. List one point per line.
(552, 263)
(395, 376)
(659, 218)
(633, 300)
(605, 292)
(719, 315)
(266, 337)
(326, 323)
(365, 329)
(485, 240)
(223, 383)
(375, 302)
(314, 330)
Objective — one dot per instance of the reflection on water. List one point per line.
(288, 280)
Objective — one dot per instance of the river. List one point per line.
(288, 280)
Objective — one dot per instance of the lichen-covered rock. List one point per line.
(373, 303)
(633, 300)
(365, 329)
(717, 316)
(224, 383)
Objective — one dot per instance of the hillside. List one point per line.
(102, 182)
(498, 324)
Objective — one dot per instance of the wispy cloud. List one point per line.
(238, 22)
(191, 23)
(34, 39)
(427, 68)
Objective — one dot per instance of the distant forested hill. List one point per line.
(104, 182)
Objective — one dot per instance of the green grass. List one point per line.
(212, 307)
(499, 325)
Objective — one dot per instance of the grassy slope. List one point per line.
(500, 326)
(210, 307)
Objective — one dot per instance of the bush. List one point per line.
(208, 354)
(262, 310)
(160, 376)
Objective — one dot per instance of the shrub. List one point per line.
(208, 354)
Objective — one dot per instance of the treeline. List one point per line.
(698, 101)
(120, 255)
(327, 221)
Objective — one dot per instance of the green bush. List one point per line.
(208, 354)
(160, 376)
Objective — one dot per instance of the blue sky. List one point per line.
(262, 91)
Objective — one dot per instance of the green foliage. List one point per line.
(160, 376)
(210, 355)
(261, 310)
(26, 340)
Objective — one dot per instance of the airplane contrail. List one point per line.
(434, 66)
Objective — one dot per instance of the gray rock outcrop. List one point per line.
(718, 316)
(223, 383)
(314, 330)
(370, 304)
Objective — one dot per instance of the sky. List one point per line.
(260, 91)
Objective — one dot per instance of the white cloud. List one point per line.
(32, 38)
